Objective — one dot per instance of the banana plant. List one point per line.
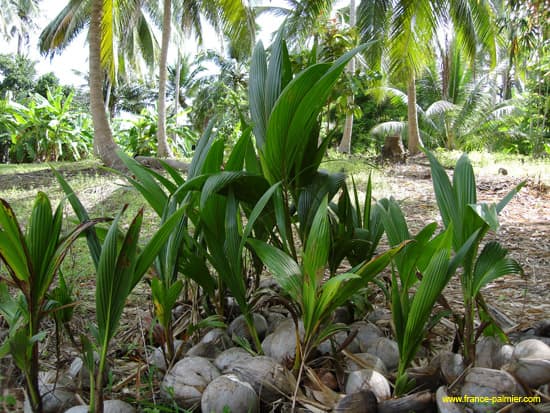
(32, 258)
(460, 210)
(303, 282)
(420, 273)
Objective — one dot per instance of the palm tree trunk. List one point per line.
(163, 150)
(177, 87)
(345, 143)
(108, 96)
(104, 145)
(414, 142)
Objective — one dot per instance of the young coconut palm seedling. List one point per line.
(420, 273)
(120, 267)
(32, 258)
(457, 202)
(213, 198)
(304, 283)
(356, 231)
(120, 264)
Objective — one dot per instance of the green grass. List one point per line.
(103, 194)
(17, 168)
(487, 164)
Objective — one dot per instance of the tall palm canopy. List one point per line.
(127, 40)
(16, 20)
(404, 31)
(116, 31)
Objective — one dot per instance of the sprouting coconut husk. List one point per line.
(416, 402)
(268, 378)
(360, 361)
(239, 328)
(233, 356)
(365, 333)
(425, 378)
(504, 356)
(483, 382)
(387, 350)
(363, 401)
(368, 379)
(486, 350)
(531, 363)
(444, 406)
(229, 392)
(452, 366)
(281, 344)
(186, 381)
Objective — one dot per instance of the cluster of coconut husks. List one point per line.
(353, 372)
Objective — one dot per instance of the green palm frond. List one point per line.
(127, 34)
(65, 27)
(304, 17)
(474, 22)
(440, 107)
(373, 21)
(391, 128)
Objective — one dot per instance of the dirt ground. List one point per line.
(524, 231)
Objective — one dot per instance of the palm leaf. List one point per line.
(440, 107)
(447, 198)
(13, 248)
(238, 155)
(256, 94)
(91, 236)
(488, 213)
(504, 201)
(256, 213)
(434, 280)
(390, 128)
(366, 272)
(492, 264)
(317, 245)
(330, 292)
(145, 183)
(41, 236)
(203, 148)
(112, 286)
(284, 269)
(55, 259)
(155, 244)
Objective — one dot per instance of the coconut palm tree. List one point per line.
(163, 149)
(302, 18)
(118, 40)
(104, 145)
(231, 18)
(345, 143)
(405, 30)
(16, 20)
(462, 110)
